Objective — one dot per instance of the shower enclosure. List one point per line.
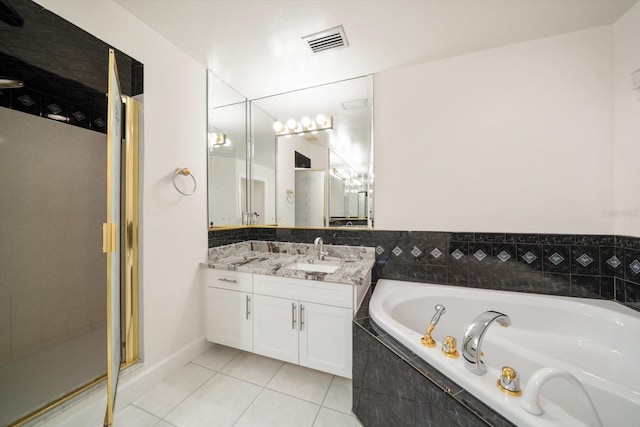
(54, 159)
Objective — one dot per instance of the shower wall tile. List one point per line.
(54, 325)
(50, 231)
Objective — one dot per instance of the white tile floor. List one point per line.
(229, 387)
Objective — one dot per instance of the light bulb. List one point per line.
(291, 124)
(305, 121)
(277, 126)
(320, 119)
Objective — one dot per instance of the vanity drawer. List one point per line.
(228, 279)
(335, 294)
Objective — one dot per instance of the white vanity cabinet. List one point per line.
(229, 314)
(304, 322)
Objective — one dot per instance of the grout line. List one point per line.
(326, 393)
(250, 404)
(192, 392)
(144, 410)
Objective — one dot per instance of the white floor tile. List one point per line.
(331, 418)
(163, 423)
(253, 368)
(273, 409)
(131, 416)
(165, 396)
(220, 402)
(298, 381)
(339, 396)
(217, 357)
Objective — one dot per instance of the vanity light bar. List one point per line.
(305, 125)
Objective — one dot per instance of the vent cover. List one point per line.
(333, 38)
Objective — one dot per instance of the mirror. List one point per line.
(227, 167)
(300, 170)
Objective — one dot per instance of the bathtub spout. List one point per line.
(530, 401)
(472, 343)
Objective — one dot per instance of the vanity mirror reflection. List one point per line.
(308, 157)
(227, 167)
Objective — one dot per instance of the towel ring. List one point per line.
(185, 172)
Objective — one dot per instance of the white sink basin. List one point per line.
(317, 268)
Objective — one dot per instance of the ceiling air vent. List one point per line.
(333, 38)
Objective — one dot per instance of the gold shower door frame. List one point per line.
(125, 239)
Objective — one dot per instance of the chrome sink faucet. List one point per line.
(472, 343)
(320, 245)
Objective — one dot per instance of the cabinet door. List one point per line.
(325, 338)
(275, 327)
(229, 318)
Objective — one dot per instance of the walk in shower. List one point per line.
(53, 204)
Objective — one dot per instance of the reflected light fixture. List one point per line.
(218, 140)
(336, 172)
(10, 83)
(305, 125)
(58, 117)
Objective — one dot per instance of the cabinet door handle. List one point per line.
(248, 309)
(222, 279)
(293, 315)
(301, 317)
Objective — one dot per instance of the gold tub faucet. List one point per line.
(426, 340)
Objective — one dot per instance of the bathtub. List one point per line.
(597, 341)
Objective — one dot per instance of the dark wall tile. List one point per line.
(479, 253)
(530, 256)
(504, 252)
(462, 237)
(395, 270)
(458, 275)
(585, 260)
(529, 281)
(556, 259)
(489, 237)
(628, 242)
(632, 265)
(632, 293)
(610, 264)
(556, 284)
(585, 286)
(620, 290)
(522, 238)
(436, 274)
(607, 287)
(416, 272)
(595, 239)
(557, 239)
(458, 253)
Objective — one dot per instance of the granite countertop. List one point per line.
(272, 258)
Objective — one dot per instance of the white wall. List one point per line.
(627, 124)
(173, 227)
(514, 139)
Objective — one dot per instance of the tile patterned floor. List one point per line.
(229, 387)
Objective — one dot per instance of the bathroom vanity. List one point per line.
(280, 300)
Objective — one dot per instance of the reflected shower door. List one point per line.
(111, 235)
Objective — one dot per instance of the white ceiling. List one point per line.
(256, 47)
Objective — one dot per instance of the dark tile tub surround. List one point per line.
(392, 386)
(590, 266)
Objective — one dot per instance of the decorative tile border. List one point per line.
(591, 266)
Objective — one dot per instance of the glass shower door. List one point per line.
(111, 233)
